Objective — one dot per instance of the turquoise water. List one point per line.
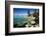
(19, 20)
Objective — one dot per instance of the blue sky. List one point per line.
(23, 11)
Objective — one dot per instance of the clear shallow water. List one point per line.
(19, 20)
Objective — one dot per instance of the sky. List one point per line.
(23, 11)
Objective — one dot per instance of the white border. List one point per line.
(25, 29)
